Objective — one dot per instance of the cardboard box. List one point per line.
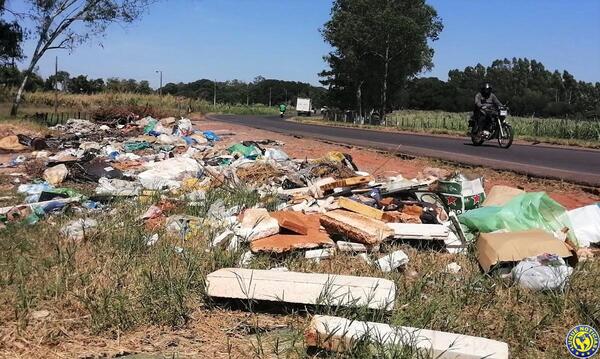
(495, 248)
(467, 187)
(460, 203)
(501, 195)
(461, 195)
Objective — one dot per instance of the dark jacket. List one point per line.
(481, 101)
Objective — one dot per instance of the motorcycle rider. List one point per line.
(486, 103)
(282, 109)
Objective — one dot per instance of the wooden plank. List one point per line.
(302, 288)
(360, 208)
(347, 182)
(338, 335)
(356, 227)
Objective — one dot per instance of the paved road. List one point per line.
(574, 165)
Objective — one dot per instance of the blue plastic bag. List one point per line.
(211, 136)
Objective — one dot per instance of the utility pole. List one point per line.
(56, 85)
(286, 98)
(215, 93)
(270, 91)
(248, 94)
(160, 88)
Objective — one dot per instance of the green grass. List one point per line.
(549, 130)
(71, 103)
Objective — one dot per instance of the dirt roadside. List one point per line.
(383, 164)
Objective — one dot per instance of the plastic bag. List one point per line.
(136, 146)
(57, 174)
(184, 127)
(276, 154)
(546, 271)
(150, 126)
(34, 190)
(211, 136)
(527, 211)
(169, 173)
(246, 151)
(586, 224)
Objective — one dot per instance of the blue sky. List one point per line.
(227, 39)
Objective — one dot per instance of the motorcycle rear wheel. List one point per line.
(506, 140)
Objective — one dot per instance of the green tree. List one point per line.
(113, 84)
(11, 37)
(378, 45)
(58, 81)
(10, 76)
(143, 87)
(64, 24)
(79, 84)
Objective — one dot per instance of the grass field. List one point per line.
(45, 101)
(560, 131)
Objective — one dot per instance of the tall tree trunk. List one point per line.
(359, 99)
(17, 101)
(40, 48)
(385, 81)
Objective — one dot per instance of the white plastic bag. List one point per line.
(546, 271)
(169, 173)
(276, 154)
(586, 224)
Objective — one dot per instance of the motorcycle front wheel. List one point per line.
(506, 140)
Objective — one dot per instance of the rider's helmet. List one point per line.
(486, 89)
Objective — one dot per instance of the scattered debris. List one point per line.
(586, 224)
(360, 208)
(498, 248)
(295, 222)
(453, 268)
(355, 227)
(339, 335)
(56, 175)
(543, 272)
(352, 247)
(392, 261)
(419, 231)
(77, 230)
(317, 208)
(318, 254)
(40, 314)
(301, 288)
(256, 224)
(501, 195)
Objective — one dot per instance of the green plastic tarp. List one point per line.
(136, 146)
(246, 151)
(526, 211)
(150, 126)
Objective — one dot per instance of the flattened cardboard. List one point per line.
(494, 248)
(501, 195)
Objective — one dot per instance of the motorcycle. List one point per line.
(499, 129)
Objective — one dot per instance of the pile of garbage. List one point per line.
(319, 207)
